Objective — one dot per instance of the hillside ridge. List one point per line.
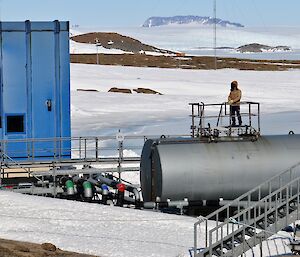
(188, 20)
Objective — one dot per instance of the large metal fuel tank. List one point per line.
(178, 168)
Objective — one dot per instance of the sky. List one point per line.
(130, 13)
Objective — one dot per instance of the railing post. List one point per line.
(54, 181)
(250, 119)
(280, 185)
(33, 155)
(28, 172)
(260, 246)
(276, 211)
(60, 148)
(206, 234)
(291, 186)
(193, 122)
(222, 242)
(265, 214)
(270, 191)
(287, 206)
(195, 239)
(220, 115)
(254, 220)
(217, 223)
(28, 149)
(244, 217)
(201, 122)
(259, 198)
(210, 243)
(4, 151)
(298, 203)
(120, 158)
(97, 149)
(1, 169)
(227, 216)
(238, 211)
(249, 201)
(85, 150)
(232, 242)
(258, 120)
(230, 117)
(79, 147)
(54, 148)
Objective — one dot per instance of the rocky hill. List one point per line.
(116, 41)
(259, 48)
(188, 20)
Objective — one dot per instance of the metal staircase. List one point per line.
(26, 170)
(259, 213)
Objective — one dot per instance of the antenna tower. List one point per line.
(215, 32)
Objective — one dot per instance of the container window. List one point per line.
(15, 124)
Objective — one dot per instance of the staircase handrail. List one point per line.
(268, 208)
(18, 164)
(264, 200)
(237, 202)
(232, 203)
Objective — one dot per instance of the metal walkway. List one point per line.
(29, 157)
(261, 213)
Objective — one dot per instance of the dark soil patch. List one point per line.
(87, 90)
(187, 62)
(142, 90)
(9, 248)
(120, 90)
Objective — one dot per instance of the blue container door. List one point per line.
(1, 82)
(44, 102)
(14, 96)
(65, 92)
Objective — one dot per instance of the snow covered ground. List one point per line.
(82, 48)
(104, 113)
(104, 231)
(94, 229)
(113, 232)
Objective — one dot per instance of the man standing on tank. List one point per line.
(234, 99)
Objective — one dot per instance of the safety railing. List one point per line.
(216, 119)
(21, 155)
(73, 148)
(252, 207)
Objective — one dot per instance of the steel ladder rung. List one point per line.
(249, 232)
(217, 252)
(238, 239)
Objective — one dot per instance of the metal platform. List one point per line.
(214, 121)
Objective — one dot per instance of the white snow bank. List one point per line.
(94, 229)
(104, 113)
(84, 48)
(104, 231)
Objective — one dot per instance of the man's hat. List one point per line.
(234, 83)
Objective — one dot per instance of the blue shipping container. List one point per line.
(35, 88)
